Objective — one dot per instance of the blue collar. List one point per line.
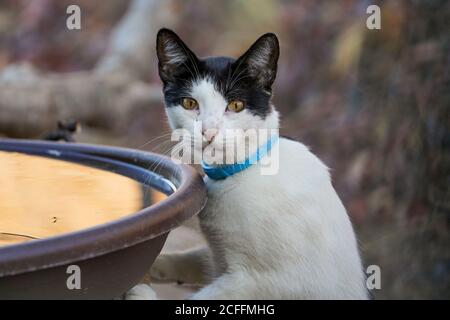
(224, 171)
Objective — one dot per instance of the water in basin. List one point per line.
(42, 197)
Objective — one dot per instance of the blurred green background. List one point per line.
(373, 104)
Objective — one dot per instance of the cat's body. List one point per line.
(284, 235)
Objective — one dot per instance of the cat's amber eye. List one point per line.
(189, 104)
(236, 106)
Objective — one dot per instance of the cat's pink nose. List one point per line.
(210, 134)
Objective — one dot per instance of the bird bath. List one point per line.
(99, 209)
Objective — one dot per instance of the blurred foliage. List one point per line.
(374, 104)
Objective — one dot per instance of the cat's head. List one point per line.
(212, 97)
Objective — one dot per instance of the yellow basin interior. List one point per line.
(41, 197)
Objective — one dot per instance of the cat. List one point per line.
(284, 235)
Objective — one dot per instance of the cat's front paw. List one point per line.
(164, 269)
(141, 292)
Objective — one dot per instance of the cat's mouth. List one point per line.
(211, 141)
(206, 142)
(212, 145)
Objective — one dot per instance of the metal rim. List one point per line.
(148, 223)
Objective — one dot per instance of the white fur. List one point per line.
(281, 236)
(285, 236)
(141, 292)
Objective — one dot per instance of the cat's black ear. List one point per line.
(261, 60)
(173, 55)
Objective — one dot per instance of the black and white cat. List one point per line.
(284, 235)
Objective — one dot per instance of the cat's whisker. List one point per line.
(228, 77)
(235, 70)
(153, 167)
(162, 144)
(154, 139)
(238, 79)
(176, 147)
(189, 69)
(194, 63)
